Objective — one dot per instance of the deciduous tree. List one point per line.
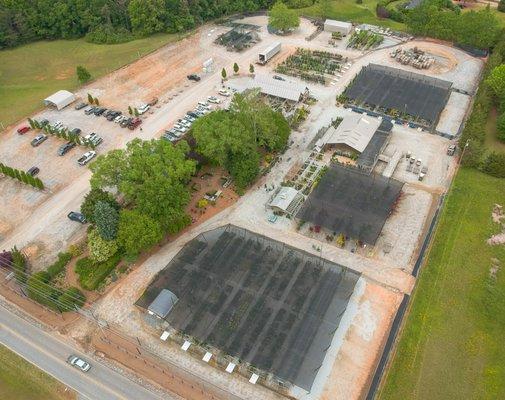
(282, 18)
(137, 232)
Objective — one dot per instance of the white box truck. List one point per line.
(267, 54)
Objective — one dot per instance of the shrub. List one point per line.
(500, 126)
(92, 274)
(59, 265)
(19, 265)
(107, 34)
(83, 74)
(106, 220)
(71, 299)
(494, 165)
(99, 248)
(39, 288)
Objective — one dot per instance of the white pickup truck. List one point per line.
(86, 157)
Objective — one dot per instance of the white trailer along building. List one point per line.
(269, 52)
(344, 28)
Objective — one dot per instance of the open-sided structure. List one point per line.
(286, 200)
(413, 96)
(60, 99)
(257, 299)
(285, 90)
(331, 25)
(351, 202)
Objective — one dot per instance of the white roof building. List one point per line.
(272, 87)
(355, 131)
(60, 99)
(331, 25)
(286, 200)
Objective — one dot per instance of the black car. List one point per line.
(279, 78)
(77, 217)
(113, 115)
(65, 148)
(33, 171)
(194, 77)
(126, 122)
(44, 122)
(100, 111)
(80, 106)
(75, 132)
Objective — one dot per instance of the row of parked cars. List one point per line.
(184, 124)
(113, 115)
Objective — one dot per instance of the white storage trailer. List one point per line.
(269, 52)
(330, 25)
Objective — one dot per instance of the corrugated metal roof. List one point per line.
(340, 24)
(60, 99)
(163, 303)
(284, 198)
(355, 131)
(272, 87)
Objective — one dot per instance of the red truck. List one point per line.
(134, 123)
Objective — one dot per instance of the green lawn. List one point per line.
(348, 10)
(20, 380)
(492, 141)
(30, 73)
(452, 346)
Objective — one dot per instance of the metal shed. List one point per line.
(60, 99)
(331, 25)
(163, 303)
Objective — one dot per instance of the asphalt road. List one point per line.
(50, 355)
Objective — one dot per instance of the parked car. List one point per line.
(93, 138)
(143, 109)
(113, 115)
(65, 148)
(23, 129)
(33, 171)
(119, 118)
(86, 157)
(44, 122)
(224, 92)
(99, 111)
(279, 78)
(194, 77)
(38, 140)
(153, 102)
(74, 360)
(212, 99)
(75, 132)
(126, 122)
(193, 114)
(89, 111)
(451, 150)
(58, 125)
(80, 106)
(134, 123)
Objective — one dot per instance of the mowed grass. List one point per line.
(349, 10)
(452, 345)
(20, 380)
(31, 72)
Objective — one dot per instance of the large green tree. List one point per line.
(496, 81)
(152, 176)
(147, 16)
(137, 232)
(106, 220)
(94, 196)
(282, 18)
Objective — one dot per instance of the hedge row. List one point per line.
(92, 274)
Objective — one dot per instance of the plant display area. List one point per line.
(350, 202)
(262, 301)
(311, 65)
(365, 40)
(399, 94)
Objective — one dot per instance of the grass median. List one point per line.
(20, 380)
(452, 344)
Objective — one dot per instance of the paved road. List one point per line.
(50, 354)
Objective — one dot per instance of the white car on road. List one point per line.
(79, 363)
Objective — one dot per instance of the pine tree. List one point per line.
(223, 73)
(90, 99)
(130, 111)
(251, 68)
(235, 68)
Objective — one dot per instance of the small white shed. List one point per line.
(60, 99)
(331, 25)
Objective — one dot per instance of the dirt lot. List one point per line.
(39, 219)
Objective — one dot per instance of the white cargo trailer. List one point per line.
(267, 54)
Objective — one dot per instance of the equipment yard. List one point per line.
(291, 296)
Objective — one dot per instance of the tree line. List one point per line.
(109, 21)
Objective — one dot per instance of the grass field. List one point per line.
(19, 380)
(452, 346)
(30, 73)
(348, 10)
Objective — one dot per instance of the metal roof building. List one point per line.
(331, 25)
(60, 99)
(286, 200)
(355, 131)
(163, 303)
(269, 86)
